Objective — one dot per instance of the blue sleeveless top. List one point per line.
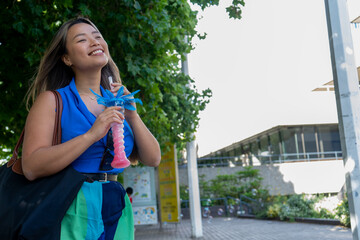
(76, 119)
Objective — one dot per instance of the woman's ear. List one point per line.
(65, 58)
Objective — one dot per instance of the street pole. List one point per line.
(347, 101)
(193, 179)
(194, 194)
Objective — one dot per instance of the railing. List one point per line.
(247, 205)
(242, 206)
(205, 202)
(263, 159)
(219, 161)
(299, 157)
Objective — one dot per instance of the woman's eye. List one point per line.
(82, 40)
(98, 37)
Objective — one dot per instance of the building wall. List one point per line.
(288, 178)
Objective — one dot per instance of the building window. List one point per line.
(329, 139)
(292, 143)
(310, 140)
(275, 144)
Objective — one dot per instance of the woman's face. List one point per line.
(86, 48)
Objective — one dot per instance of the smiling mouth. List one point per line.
(96, 52)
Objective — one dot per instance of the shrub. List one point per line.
(301, 206)
(246, 182)
(273, 211)
(293, 206)
(325, 205)
(343, 213)
(325, 213)
(184, 195)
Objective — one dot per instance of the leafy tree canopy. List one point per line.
(145, 38)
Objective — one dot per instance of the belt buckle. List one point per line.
(106, 178)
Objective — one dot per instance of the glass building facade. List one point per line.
(282, 144)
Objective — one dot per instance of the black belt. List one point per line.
(101, 177)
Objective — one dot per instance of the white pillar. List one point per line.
(347, 101)
(194, 193)
(193, 179)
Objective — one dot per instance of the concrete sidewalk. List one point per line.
(245, 229)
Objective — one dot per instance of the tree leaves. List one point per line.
(145, 38)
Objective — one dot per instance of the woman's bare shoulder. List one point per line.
(46, 96)
(45, 101)
(43, 110)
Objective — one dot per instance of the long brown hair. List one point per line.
(53, 74)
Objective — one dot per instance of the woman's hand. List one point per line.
(114, 89)
(103, 122)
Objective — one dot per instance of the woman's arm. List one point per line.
(39, 157)
(147, 146)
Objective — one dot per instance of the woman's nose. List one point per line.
(94, 42)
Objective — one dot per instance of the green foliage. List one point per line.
(4, 154)
(184, 192)
(246, 182)
(296, 206)
(204, 187)
(343, 213)
(184, 195)
(234, 10)
(120, 178)
(273, 211)
(325, 213)
(145, 38)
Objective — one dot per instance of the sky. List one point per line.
(262, 69)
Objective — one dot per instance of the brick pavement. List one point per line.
(244, 229)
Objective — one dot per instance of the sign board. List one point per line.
(145, 215)
(169, 187)
(142, 181)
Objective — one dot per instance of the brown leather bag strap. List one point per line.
(16, 149)
(57, 126)
(57, 130)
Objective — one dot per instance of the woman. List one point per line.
(78, 60)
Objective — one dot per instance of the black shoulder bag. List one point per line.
(35, 209)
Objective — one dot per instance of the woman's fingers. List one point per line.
(112, 114)
(104, 120)
(116, 86)
(115, 89)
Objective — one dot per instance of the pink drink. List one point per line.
(120, 159)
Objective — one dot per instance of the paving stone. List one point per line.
(244, 229)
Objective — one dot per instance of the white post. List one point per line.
(194, 194)
(347, 101)
(193, 179)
